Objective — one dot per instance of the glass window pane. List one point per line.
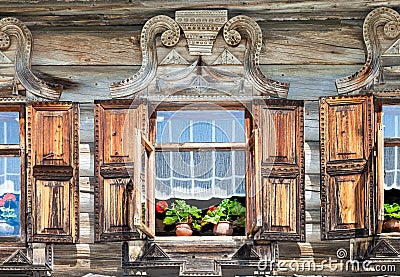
(391, 121)
(9, 128)
(200, 126)
(10, 195)
(200, 175)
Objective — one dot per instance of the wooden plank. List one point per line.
(300, 42)
(137, 12)
(86, 160)
(311, 121)
(86, 123)
(312, 161)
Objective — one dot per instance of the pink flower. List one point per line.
(10, 197)
(212, 208)
(2, 202)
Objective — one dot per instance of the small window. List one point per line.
(10, 174)
(200, 157)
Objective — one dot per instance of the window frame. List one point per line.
(205, 146)
(17, 151)
(380, 158)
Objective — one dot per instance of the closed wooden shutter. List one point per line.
(347, 155)
(53, 170)
(124, 186)
(279, 170)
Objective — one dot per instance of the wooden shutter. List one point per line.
(124, 190)
(347, 151)
(53, 170)
(279, 170)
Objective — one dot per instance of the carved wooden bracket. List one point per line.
(12, 27)
(200, 29)
(387, 18)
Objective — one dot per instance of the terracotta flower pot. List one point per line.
(391, 225)
(223, 228)
(183, 229)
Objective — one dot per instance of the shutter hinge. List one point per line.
(374, 153)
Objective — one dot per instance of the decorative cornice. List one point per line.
(387, 18)
(201, 29)
(10, 26)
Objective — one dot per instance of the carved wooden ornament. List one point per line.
(201, 29)
(369, 75)
(36, 88)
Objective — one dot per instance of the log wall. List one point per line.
(84, 45)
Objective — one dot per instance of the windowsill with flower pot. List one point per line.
(201, 223)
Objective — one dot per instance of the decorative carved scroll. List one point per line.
(387, 18)
(38, 88)
(245, 26)
(201, 29)
(170, 36)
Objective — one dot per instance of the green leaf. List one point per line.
(169, 220)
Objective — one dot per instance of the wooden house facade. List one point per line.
(113, 113)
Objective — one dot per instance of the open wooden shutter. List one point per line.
(53, 170)
(279, 170)
(347, 154)
(124, 184)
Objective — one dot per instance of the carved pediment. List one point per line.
(381, 31)
(17, 81)
(17, 258)
(198, 66)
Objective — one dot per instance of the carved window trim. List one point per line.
(18, 152)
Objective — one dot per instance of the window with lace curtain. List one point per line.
(200, 154)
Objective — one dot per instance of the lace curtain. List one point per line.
(200, 174)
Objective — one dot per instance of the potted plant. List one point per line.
(224, 216)
(392, 218)
(184, 216)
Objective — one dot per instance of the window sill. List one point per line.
(391, 234)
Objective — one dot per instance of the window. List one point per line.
(11, 179)
(200, 156)
(199, 152)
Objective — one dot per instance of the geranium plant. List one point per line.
(180, 211)
(392, 211)
(227, 210)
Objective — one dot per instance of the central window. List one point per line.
(200, 156)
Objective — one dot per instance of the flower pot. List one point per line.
(223, 228)
(183, 229)
(391, 225)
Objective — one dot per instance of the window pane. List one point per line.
(10, 194)
(200, 126)
(391, 121)
(9, 128)
(200, 175)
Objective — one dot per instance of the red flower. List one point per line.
(2, 202)
(212, 208)
(9, 196)
(161, 206)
